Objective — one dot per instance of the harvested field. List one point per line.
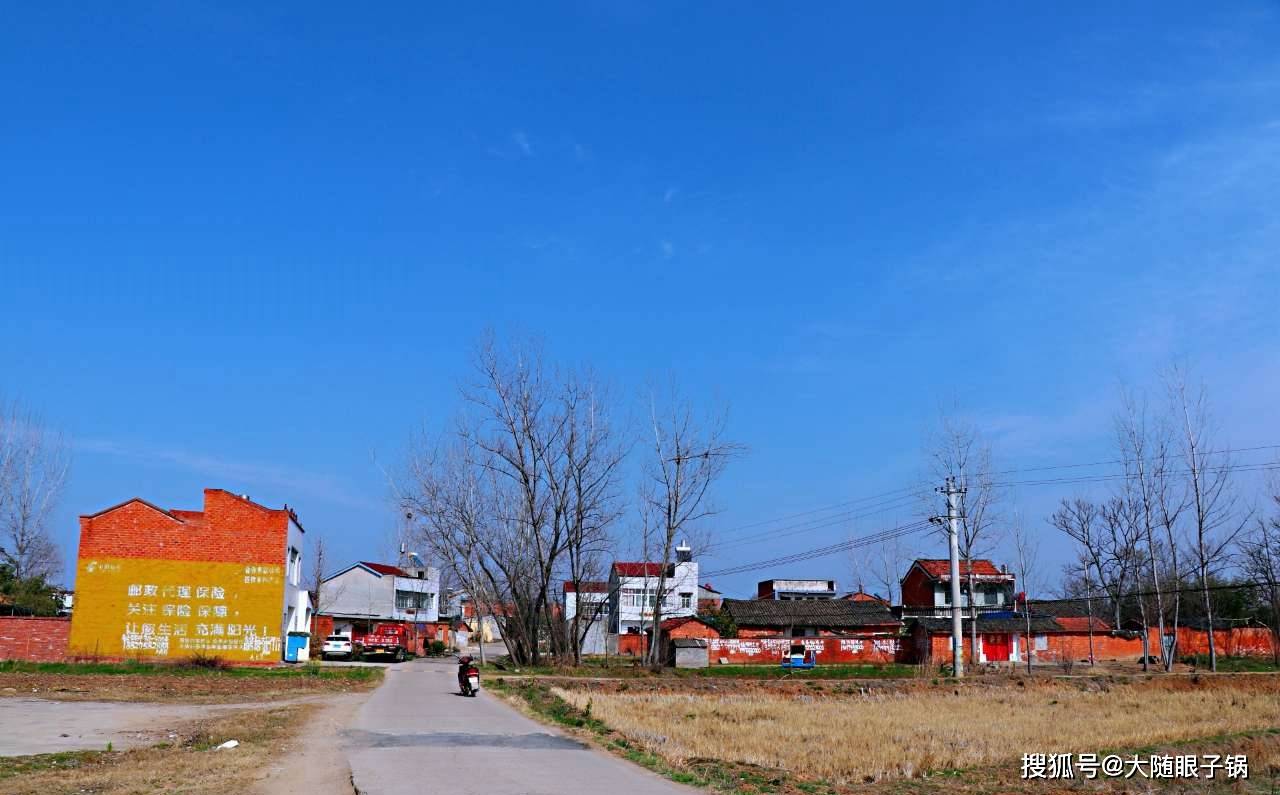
(855, 734)
(126, 682)
(188, 763)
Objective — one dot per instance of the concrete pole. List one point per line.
(953, 538)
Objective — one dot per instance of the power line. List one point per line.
(1122, 461)
(913, 489)
(821, 522)
(818, 552)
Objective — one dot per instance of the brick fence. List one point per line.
(769, 651)
(34, 639)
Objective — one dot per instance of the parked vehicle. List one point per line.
(468, 676)
(386, 639)
(338, 646)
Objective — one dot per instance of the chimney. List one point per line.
(683, 553)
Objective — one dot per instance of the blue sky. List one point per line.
(251, 247)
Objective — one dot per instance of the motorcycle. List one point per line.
(468, 677)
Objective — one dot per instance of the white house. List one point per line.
(633, 592)
(296, 611)
(588, 602)
(366, 592)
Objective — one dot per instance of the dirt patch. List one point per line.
(216, 687)
(189, 761)
(312, 761)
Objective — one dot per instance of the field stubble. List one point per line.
(887, 732)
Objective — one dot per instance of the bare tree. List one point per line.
(688, 455)
(525, 492)
(1215, 518)
(1026, 551)
(1261, 563)
(957, 449)
(34, 463)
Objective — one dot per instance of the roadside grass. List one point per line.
(187, 668)
(840, 740)
(631, 670)
(1234, 665)
(187, 763)
(192, 684)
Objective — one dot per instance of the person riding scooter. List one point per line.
(468, 676)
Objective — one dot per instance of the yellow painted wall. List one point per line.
(127, 607)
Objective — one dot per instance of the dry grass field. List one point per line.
(887, 732)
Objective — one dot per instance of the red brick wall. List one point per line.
(1234, 642)
(35, 639)
(917, 589)
(232, 530)
(634, 645)
(758, 650)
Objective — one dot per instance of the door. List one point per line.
(996, 647)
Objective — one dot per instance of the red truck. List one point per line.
(385, 639)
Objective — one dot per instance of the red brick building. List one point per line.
(223, 581)
(926, 587)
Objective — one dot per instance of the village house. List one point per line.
(791, 590)
(926, 587)
(588, 603)
(633, 595)
(352, 600)
(224, 581)
(810, 618)
(709, 598)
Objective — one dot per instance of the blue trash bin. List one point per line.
(294, 643)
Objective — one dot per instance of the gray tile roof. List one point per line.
(816, 613)
(989, 624)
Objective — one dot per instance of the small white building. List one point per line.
(365, 592)
(588, 602)
(633, 592)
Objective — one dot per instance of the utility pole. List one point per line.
(953, 539)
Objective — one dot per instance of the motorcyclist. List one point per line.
(465, 666)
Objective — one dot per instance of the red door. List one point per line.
(996, 647)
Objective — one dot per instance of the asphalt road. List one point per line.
(416, 734)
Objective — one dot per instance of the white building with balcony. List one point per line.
(366, 592)
(633, 592)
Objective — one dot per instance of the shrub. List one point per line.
(210, 662)
(437, 648)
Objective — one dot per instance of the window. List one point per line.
(686, 600)
(990, 597)
(295, 565)
(1042, 642)
(635, 597)
(412, 600)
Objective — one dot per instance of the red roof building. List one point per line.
(927, 585)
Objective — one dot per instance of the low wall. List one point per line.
(1233, 642)
(875, 650)
(34, 639)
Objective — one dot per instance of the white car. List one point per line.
(337, 646)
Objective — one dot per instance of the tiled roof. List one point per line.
(383, 568)
(1081, 623)
(641, 569)
(586, 586)
(1039, 624)
(940, 569)
(820, 613)
(679, 621)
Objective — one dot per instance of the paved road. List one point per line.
(417, 735)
